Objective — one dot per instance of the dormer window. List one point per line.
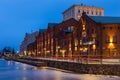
(71, 28)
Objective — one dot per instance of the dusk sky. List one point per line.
(20, 16)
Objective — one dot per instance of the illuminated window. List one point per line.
(84, 34)
(83, 27)
(75, 48)
(70, 49)
(80, 42)
(76, 42)
(78, 16)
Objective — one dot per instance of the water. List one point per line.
(10, 70)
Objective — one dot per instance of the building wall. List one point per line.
(63, 40)
(88, 38)
(76, 11)
(40, 44)
(111, 46)
(29, 38)
(31, 49)
(107, 38)
(49, 42)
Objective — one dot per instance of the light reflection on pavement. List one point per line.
(10, 70)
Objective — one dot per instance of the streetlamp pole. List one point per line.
(88, 52)
(89, 43)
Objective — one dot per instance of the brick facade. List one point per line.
(93, 36)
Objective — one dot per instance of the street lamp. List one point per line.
(89, 43)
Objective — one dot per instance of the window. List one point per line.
(60, 28)
(76, 42)
(92, 12)
(83, 27)
(75, 48)
(87, 12)
(103, 28)
(68, 28)
(100, 13)
(88, 31)
(110, 28)
(80, 42)
(72, 27)
(96, 13)
(118, 27)
(92, 31)
(78, 11)
(115, 39)
(107, 38)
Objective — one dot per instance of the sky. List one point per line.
(20, 16)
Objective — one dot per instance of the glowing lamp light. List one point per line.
(111, 45)
(48, 51)
(81, 49)
(111, 41)
(58, 47)
(94, 46)
(86, 49)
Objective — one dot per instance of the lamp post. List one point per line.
(58, 50)
(89, 43)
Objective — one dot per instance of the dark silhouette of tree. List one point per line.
(13, 51)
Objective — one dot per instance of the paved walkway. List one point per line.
(93, 61)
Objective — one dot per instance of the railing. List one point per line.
(83, 59)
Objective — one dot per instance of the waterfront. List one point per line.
(10, 70)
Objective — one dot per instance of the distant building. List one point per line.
(76, 11)
(32, 49)
(29, 38)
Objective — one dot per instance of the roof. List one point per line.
(105, 19)
(51, 25)
(42, 30)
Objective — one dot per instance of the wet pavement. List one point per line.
(10, 70)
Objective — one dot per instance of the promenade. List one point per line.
(98, 68)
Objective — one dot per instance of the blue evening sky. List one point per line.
(20, 16)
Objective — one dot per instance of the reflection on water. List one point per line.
(10, 70)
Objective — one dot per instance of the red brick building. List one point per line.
(40, 42)
(96, 36)
(63, 37)
(56, 39)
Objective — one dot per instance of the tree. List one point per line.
(13, 51)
